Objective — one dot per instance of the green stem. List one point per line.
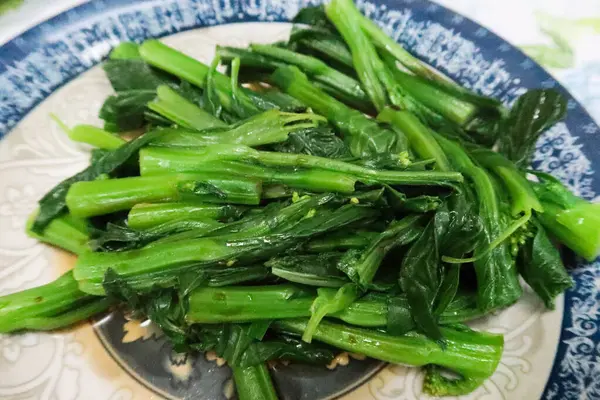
(145, 216)
(269, 127)
(363, 51)
(34, 308)
(254, 383)
(248, 303)
(316, 68)
(329, 47)
(453, 108)
(90, 135)
(212, 305)
(523, 198)
(178, 109)
(157, 160)
(469, 353)
(382, 40)
(67, 232)
(578, 226)
(86, 199)
(419, 136)
(365, 136)
(125, 51)
(95, 136)
(187, 68)
(80, 313)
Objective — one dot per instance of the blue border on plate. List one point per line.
(52, 53)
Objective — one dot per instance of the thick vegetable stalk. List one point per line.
(419, 136)
(67, 232)
(315, 180)
(213, 305)
(238, 101)
(248, 303)
(473, 355)
(181, 111)
(365, 137)
(268, 127)
(155, 161)
(385, 42)
(146, 215)
(376, 77)
(139, 266)
(53, 204)
(170, 60)
(317, 69)
(367, 64)
(454, 109)
(254, 383)
(523, 198)
(55, 305)
(86, 199)
(572, 220)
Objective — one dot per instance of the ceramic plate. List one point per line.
(52, 68)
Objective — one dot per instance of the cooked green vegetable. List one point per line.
(160, 161)
(269, 127)
(144, 216)
(254, 383)
(54, 204)
(65, 231)
(245, 219)
(473, 355)
(55, 305)
(572, 220)
(364, 136)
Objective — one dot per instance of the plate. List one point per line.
(52, 68)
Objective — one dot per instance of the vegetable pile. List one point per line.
(330, 192)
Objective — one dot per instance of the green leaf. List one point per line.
(134, 74)
(329, 301)
(54, 202)
(309, 269)
(533, 113)
(542, 268)
(287, 348)
(125, 111)
(320, 141)
(420, 279)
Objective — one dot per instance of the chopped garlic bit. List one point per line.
(358, 356)
(341, 359)
(212, 356)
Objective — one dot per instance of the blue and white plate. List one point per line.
(52, 68)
